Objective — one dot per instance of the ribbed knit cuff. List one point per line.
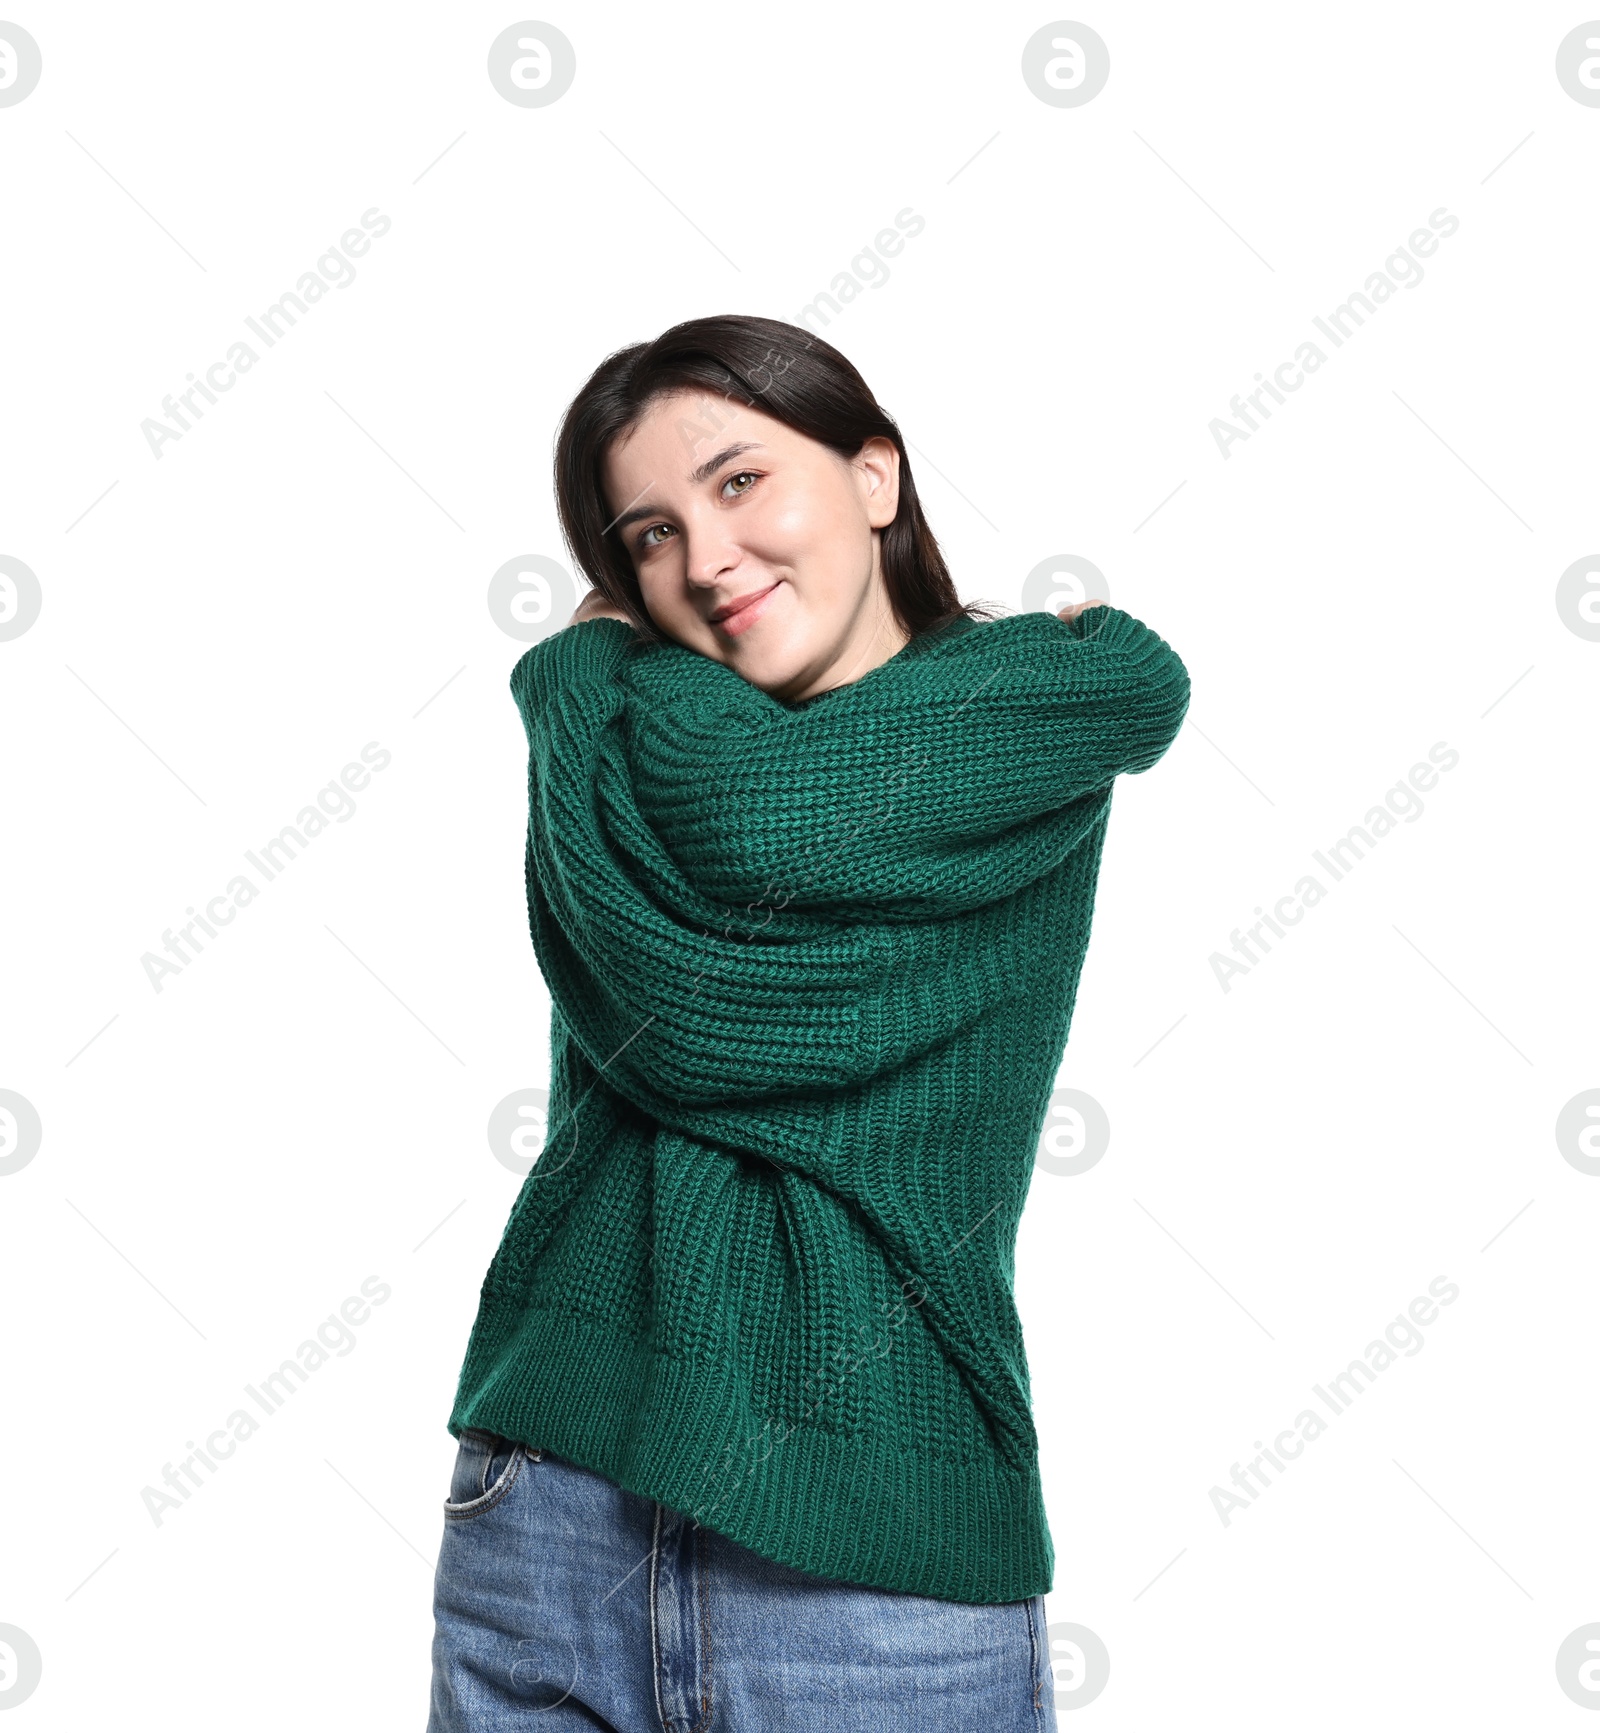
(578, 654)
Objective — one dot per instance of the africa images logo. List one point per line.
(335, 270)
(1402, 269)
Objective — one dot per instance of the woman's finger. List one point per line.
(1073, 609)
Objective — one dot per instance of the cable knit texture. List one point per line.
(811, 970)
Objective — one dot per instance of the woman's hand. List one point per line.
(1073, 609)
(594, 606)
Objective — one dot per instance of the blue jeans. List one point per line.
(562, 1602)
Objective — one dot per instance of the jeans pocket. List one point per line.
(486, 1468)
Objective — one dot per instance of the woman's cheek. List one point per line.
(796, 524)
(802, 540)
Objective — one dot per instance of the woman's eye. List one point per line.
(649, 539)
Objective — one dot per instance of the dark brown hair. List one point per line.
(783, 371)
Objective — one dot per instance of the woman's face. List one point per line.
(755, 545)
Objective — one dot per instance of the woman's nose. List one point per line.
(708, 554)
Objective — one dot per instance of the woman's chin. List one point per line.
(774, 662)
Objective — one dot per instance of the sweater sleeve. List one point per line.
(669, 995)
(579, 656)
(676, 997)
(1104, 696)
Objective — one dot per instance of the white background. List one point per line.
(1291, 1161)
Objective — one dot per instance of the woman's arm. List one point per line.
(1104, 699)
(676, 989)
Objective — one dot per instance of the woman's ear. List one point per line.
(877, 467)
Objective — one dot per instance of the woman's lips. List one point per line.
(746, 617)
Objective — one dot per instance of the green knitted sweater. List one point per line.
(811, 970)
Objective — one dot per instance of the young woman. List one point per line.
(744, 1423)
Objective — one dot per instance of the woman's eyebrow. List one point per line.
(703, 473)
(712, 464)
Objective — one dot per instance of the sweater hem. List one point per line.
(855, 1510)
